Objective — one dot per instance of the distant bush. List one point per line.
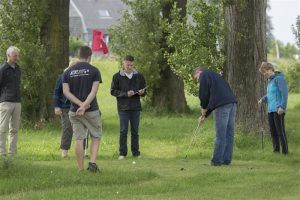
(74, 44)
(291, 70)
(293, 77)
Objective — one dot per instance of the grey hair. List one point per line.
(12, 49)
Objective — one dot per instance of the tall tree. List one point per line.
(245, 47)
(55, 37)
(20, 23)
(296, 31)
(169, 93)
(40, 28)
(197, 40)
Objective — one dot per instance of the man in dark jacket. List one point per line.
(61, 108)
(215, 95)
(10, 101)
(127, 86)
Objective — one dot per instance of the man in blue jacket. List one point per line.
(216, 96)
(276, 98)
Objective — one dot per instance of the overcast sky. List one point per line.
(284, 14)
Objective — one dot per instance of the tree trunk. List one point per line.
(55, 37)
(245, 47)
(169, 95)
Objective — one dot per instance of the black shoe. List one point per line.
(93, 167)
(215, 164)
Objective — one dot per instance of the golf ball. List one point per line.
(133, 162)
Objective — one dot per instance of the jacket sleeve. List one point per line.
(57, 92)
(1, 75)
(265, 99)
(115, 89)
(204, 91)
(281, 84)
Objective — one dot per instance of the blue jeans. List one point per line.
(224, 119)
(134, 118)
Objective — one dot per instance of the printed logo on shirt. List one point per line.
(79, 72)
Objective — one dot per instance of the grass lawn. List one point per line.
(38, 172)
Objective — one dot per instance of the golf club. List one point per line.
(262, 128)
(195, 133)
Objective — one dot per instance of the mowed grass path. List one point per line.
(39, 173)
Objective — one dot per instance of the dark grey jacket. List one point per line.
(10, 83)
(121, 84)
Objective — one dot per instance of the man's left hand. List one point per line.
(280, 111)
(141, 92)
(80, 111)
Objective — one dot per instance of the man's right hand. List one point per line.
(201, 119)
(57, 111)
(259, 102)
(130, 93)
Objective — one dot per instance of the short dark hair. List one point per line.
(198, 68)
(129, 58)
(85, 52)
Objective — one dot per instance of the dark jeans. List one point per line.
(134, 118)
(67, 131)
(277, 129)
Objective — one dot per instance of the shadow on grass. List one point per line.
(24, 176)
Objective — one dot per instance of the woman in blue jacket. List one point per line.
(276, 98)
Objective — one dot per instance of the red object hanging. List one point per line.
(98, 43)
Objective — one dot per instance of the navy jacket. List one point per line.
(121, 84)
(10, 83)
(214, 91)
(59, 99)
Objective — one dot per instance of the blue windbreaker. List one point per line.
(277, 93)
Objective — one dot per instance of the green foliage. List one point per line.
(138, 33)
(20, 22)
(197, 40)
(74, 44)
(285, 51)
(293, 77)
(296, 31)
(291, 70)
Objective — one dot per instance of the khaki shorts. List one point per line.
(90, 120)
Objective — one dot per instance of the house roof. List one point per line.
(100, 14)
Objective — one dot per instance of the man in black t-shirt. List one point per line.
(80, 86)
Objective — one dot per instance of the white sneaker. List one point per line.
(121, 157)
(64, 153)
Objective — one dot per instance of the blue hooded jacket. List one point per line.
(277, 93)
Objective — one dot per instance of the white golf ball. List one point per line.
(133, 162)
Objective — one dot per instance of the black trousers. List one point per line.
(134, 118)
(277, 129)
